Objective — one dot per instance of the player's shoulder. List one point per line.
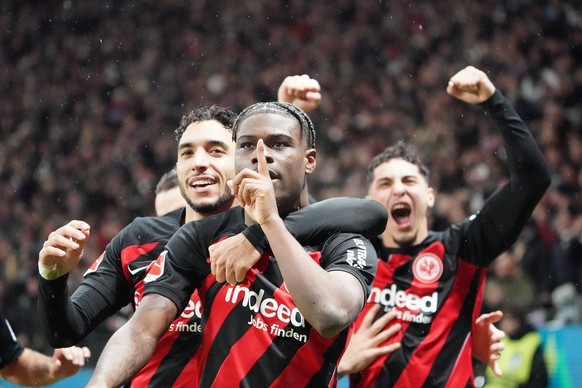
(346, 240)
(217, 223)
(152, 228)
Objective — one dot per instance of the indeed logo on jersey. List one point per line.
(266, 306)
(189, 320)
(410, 307)
(193, 309)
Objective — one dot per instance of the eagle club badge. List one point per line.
(427, 268)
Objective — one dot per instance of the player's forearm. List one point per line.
(61, 321)
(31, 369)
(525, 159)
(316, 222)
(320, 220)
(130, 348)
(508, 209)
(317, 293)
(125, 354)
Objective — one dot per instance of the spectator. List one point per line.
(522, 361)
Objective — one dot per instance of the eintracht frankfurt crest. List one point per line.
(427, 268)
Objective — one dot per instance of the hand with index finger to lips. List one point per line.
(254, 189)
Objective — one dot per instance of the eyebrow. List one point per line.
(210, 143)
(273, 136)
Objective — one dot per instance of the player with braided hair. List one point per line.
(278, 108)
(286, 323)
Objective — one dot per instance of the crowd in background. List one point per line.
(92, 92)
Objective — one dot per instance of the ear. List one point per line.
(430, 192)
(310, 160)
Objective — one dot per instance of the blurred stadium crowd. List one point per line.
(92, 91)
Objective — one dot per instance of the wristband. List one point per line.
(256, 237)
(49, 272)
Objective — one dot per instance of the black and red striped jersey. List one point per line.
(118, 276)
(437, 286)
(437, 296)
(253, 333)
(115, 280)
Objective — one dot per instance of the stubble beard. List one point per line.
(224, 201)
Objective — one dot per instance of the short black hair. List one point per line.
(168, 181)
(280, 108)
(224, 116)
(400, 150)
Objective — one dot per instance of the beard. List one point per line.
(225, 200)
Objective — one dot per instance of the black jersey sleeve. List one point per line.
(506, 211)
(65, 319)
(10, 349)
(351, 253)
(179, 270)
(320, 220)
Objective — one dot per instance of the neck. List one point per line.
(389, 241)
(193, 215)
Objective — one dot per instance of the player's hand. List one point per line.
(487, 345)
(68, 361)
(300, 90)
(471, 85)
(63, 249)
(365, 344)
(254, 189)
(231, 258)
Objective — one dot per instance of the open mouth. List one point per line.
(400, 213)
(201, 183)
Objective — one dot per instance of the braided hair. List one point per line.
(280, 108)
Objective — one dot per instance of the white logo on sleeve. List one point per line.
(156, 269)
(357, 257)
(427, 268)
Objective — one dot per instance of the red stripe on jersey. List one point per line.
(307, 361)
(164, 346)
(131, 253)
(384, 276)
(251, 346)
(426, 352)
(242, 357)
(143, 377)
(217, 316)
(246, 351)
(459, 377)
(480, 294)
(385, 271)
(211, 327)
